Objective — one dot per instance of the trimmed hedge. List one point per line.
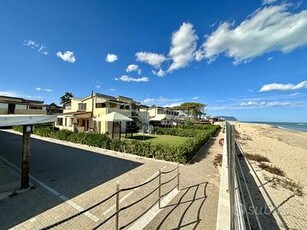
(181, 154)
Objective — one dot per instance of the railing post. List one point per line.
(178, 176)
(159, 202)
(117, 207)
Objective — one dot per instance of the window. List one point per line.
(68, 106)
(101, 105)
(60, 121)
(35, 107)
(113, 105)
(161, 111)
(124, 107)
(24, 107)
(81, 106)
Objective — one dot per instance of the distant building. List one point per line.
(160, 116)
(53, 109)
(16, 105)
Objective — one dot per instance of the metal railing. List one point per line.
(116, 214)
(236, 199)
(237, 183)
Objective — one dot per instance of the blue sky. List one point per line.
(242, 58)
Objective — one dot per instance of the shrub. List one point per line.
(272, 169)
(218, 160)
(257, 157)
(183, 153)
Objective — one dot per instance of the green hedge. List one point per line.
(181, 154)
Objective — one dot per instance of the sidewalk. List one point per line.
(195, 207)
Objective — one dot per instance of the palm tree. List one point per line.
(66, 97)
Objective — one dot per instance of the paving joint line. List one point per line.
(54, 192)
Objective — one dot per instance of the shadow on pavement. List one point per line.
(69, 171)
(195, 196)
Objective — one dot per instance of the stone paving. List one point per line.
(195, 207)
(39, 207)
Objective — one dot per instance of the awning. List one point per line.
(14, 119)
(84, 115)
(159, 117)
(114, 116)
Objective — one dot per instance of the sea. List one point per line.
(297, 126)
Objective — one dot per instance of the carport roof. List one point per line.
(28, 119)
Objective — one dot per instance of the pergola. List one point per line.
(27, 121)
(115, 117)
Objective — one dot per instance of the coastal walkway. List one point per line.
(67, 178)
(195, 207)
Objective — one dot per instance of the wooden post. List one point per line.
(27, 129)
(120, 129)
(117, 206)
(160, 182)
(112, 129)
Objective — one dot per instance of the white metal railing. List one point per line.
(231, 208)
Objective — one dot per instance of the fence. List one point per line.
(237, 186)
(118, 210)
(235, 191)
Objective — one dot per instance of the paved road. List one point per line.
(68, 170)
(84, 175)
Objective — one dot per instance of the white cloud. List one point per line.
(42, 89)
(267, 2)
(111, 58)
(161, 100)
(126, 78)
(294, 94)
(13, 93)
(159, 73)
(152, 59)
(269, 58)
(183, 47)
(112, 90)
(67, 56)
(271, 28)
(172, 105)
(271, 104)
(195, 98)
(139, 72)
(40, 48)
(132, 67)
(283, 87)
(98, 85)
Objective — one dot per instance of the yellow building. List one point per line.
(86, 114)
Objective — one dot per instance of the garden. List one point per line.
(178, 144)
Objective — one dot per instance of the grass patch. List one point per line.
(272, 169)
(160, 139)
(257, 157)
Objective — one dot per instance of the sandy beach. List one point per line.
(288, 151)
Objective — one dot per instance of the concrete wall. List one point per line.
(30, 111)
(3, 108)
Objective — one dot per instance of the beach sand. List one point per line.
(288, 151)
